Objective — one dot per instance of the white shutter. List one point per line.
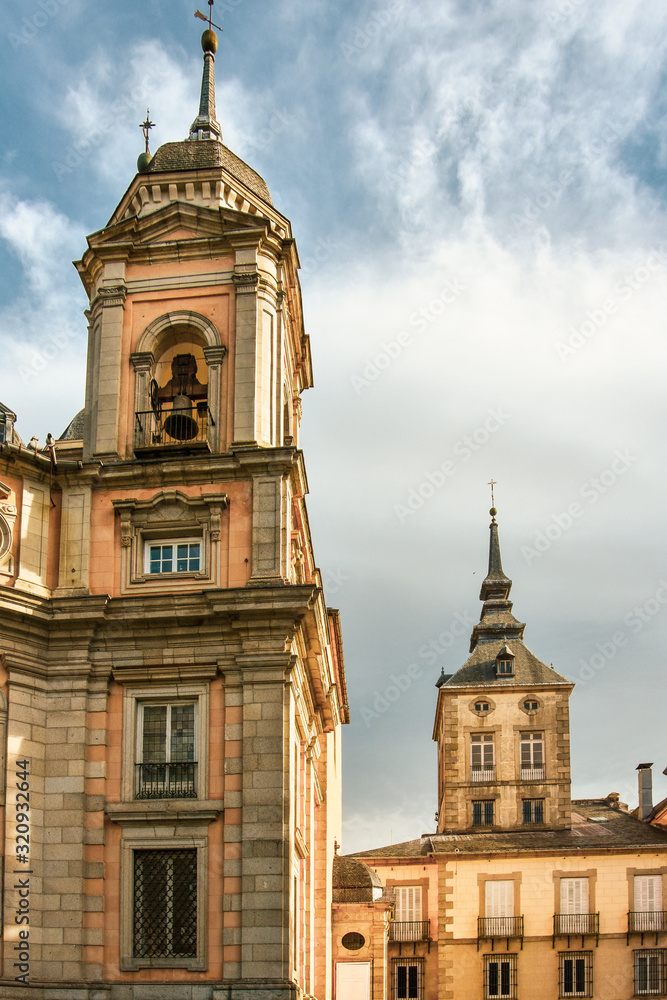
(574, 895)
(408, 903)
(648, 893)
(499, 899)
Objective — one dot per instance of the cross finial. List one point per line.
(203, 17)
(492, 483)
(147, 126)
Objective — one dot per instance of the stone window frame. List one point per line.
(590, 874)
(587, 957)
(159, 839)
(485, 699)
(530, 711)
(413, 883)
(169, 515)
(516, 877)
(135, 695)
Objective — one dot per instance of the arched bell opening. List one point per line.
(177, 385)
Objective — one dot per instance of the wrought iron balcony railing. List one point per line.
(483, 774)
(640, 921)
(576, 923)
(167, 781)
(532, 774)
(410, 930)
(489, 928)
(169, 428)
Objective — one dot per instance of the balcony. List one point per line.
(575, 924)
(483, 774)
(168, 429)
(410, 932)
(532, 774)
(646, 922)
(489, 928)
(167, 781)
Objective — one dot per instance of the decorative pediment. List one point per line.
(170, 509)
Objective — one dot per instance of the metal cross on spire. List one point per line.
(203, 17)
(492, 483)
(147, 126)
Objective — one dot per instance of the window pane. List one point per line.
(194, 557)
(493, 979)
(412, 983)
(488, 813)
(181, 558)
(504, 979)
(154, 742)
(568, 979)
(182, 732)
(401, 983)
(165, 904)
(580, 975)
(539, 811)
(526, 811)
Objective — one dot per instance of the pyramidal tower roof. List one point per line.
(499, 633)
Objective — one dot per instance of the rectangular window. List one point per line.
(532, 756)
(408, 978)
(166, 766)
(499, 908)
(650, 967)
(648, 903)
(408, 903)
(3, 427)
(576, 973)
(499, 976)
(179, 556)
(533, 810)
(482, 813)
(574, 895)
(482, 757)
(165, 904)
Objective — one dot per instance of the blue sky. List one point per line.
(478, 195)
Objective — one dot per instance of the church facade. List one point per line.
(172, 686)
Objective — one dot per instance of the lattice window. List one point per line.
(500, 977)
(165, 904)
(650, 972)
(408, 978)
(575, 973)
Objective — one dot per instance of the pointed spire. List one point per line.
(497, 620)
(496, 583)
(205, 125)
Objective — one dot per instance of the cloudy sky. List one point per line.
(478, 194)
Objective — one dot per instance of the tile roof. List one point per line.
(595, 826)
(204, 153)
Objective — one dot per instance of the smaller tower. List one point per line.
(502, 726)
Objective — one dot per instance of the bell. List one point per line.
(180, 423)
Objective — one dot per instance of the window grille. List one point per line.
(650, 966)
(482, 813)
(500, 977)
(408, 978)
(575, 975)
(165, 904)
(533, 810)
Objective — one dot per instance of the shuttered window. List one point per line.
(648, 893)
(574, 895)
(499, 899)
(408, 903)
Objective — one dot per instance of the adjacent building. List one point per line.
(521, 892)
(172, 687)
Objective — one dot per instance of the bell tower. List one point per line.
(502, 726)
(185, 686)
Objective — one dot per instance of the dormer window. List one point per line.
(505, 662)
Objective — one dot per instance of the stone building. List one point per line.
(172, 685)
(520, 892)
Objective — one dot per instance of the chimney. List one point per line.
(645, 790)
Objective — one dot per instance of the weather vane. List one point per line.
(147, 126)
(203, 17)
(492, 484)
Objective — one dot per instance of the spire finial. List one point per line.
(146, 127)
(205, 125)
(493, 510)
